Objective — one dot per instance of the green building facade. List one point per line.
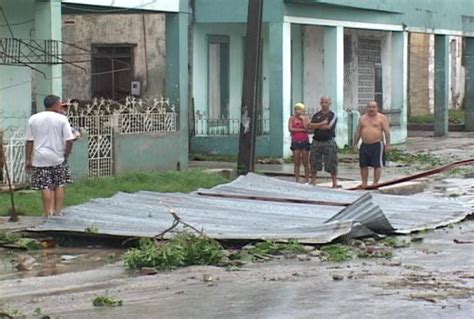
(34, 70)
(353, 51)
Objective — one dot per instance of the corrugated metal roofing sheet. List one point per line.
(405, 213)
(146, 214)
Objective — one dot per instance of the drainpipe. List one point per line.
(146, 57)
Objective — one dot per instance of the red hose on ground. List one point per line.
(419, 175)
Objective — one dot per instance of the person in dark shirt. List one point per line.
(324, 148)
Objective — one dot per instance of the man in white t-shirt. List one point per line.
(48, 144)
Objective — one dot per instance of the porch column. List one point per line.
(334, 79)
(469, 91)
(400, 83)
(297, 72)
(280, 87)
(48, 27)
(177, 76)
(442, 85)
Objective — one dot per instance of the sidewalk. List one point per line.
(457, 146)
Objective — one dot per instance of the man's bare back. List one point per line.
(372, 127)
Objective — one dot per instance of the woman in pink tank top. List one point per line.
(299, 141)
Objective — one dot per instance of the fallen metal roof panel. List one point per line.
(147, 214)
(364, 210)
(405, 213)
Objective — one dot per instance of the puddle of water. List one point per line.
(58, 260)
(457, 189)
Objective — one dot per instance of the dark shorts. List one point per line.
(50, 177)
(324, 153)
(372, 155)
(296, 146)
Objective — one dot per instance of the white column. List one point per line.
(334, 78)
(399, 83)
(286, 90)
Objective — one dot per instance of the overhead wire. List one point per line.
(62, 77)
(6, 20)
(81, 8)
(78, 8)
(17, 23)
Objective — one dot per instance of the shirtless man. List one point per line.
(372, 128)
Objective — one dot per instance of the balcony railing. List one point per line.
(226, 127)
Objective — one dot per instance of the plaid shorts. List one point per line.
(50, 177)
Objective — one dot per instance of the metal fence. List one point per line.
(103, 118)
(99, 131)
(13, 139)
(146, 123)
(226, 127)
(99, 120)
(14, 151)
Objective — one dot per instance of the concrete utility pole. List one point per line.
(251, 91)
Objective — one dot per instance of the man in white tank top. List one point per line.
(48, 144)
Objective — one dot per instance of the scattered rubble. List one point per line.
(25, 263)
(147, 271)
(68, 257)
(337, 277)
(106, 301)
(458, 241)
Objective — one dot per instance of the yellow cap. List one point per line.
(299, 106)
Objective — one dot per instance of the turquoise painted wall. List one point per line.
(279, 59)
(379, 5)
(15, 81)
(232, 11)
(418, 14)
(29, 19)
(469, 97)
(236, 34)
(48, 26)
(15, 96)
(177, 84)
(265, 73)
(227, 145)
(78, 160)
(148, 152)
(20, 15)
(297, 64)
(426, 14)
(134, 152)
